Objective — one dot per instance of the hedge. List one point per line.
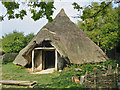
(8, 57)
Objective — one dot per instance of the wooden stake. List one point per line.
(109, 69)
(95, 80)
(82, 79)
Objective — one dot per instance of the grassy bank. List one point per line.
(55, 80)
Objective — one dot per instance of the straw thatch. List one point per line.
(70, 42)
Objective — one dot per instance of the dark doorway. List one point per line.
(48, 59)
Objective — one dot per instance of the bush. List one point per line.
(28, 38)
(8, 57)
(13, 42)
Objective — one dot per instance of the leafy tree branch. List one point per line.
(37, 9)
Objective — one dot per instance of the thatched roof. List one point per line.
(69, 41)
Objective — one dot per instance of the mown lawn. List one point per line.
(55, 80)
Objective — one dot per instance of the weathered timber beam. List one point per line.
(46, 48)
(24, 83)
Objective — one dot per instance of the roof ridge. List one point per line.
(62, 13)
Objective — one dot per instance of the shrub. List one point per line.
(13, 42)
(8, 57)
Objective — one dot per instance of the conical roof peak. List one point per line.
(62, 12)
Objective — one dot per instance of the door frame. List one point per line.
(45, 48)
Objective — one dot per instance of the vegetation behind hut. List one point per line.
(15, 41)
(8, 57)
(103, 29)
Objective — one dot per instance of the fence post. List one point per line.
(95, 79)
(117, 69)
(86, 74)
(116, 72)
(109, 69)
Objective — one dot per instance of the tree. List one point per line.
(13, 42)
(103, 28)
(101, 9)
(37, 9)
(28, 38)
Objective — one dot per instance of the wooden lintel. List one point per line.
(46, 48)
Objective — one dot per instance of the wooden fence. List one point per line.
(102, 79)
(107, 80)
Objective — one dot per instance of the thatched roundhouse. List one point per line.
(58, 43)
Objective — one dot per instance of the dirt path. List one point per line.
(47, 71)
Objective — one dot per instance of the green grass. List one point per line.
(55, 80)
(13, 72)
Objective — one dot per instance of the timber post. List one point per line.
(32, 60)
(56, 59)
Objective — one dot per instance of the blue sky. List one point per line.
(28, 25)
